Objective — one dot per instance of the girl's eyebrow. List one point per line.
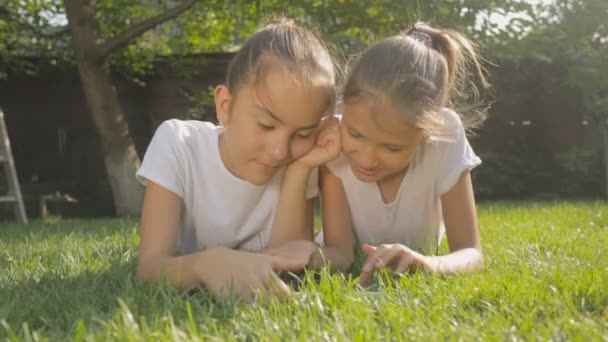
(276, 118)
(268, 111)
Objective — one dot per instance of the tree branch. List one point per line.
(136, 30)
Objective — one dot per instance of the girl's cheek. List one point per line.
(348, 145)
(300, 148)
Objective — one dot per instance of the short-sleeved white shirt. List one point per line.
(218, 208)
(414, 218)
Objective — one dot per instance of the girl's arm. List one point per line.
(221, 270)
(337, 229)
(294, 217)
(160, 219)
(339, 240)
(460, 217)
(294, 214)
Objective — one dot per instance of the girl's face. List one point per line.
(268, 125)
(376, 142)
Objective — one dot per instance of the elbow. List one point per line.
(476, 261)
(345, 261)
(144, 273)
(349, 258)
(341, 265)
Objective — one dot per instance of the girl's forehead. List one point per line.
(379, 119)
(289, 98)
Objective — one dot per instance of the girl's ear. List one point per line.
(223, 101)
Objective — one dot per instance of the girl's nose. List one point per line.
(368, 158)
(279, 149)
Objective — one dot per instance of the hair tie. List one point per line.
(422, 37)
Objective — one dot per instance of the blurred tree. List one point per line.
(573, 34)
(129, 34)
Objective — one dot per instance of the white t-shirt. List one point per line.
(218, 209)
(414, 218)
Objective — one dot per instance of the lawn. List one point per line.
(546, 277)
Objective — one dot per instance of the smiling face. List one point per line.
(269, 124)
(376, 141)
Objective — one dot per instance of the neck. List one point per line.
(389, 186)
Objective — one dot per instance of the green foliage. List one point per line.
(550, 56)
(573, 34)
(544, 278)
(213, 25)
(29, 29)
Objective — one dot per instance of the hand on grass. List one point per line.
(226, 271)
(297, 250)
(396, 258)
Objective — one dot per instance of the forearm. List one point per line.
(462, 261)
(291, 221)
(181, 272)
(338, 259)
(178, 272)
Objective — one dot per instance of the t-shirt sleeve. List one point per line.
(312, 189)
(165, 159)
(455, 157)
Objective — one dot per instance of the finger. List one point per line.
(390, 258)
(325, 122)
(284, 264)
(331, 132)
(368, 249)
(270, 251)
(332, 140)
(277, 287)
(366, 275)
(404, 264)
(381, 257)
(330, 120)
(259, 290)
(273, 286)
(369, 264)
(324, 139)
(246, 289)
(333, 121)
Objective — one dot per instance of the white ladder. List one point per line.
(13, 196)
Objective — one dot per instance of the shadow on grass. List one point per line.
(54, 305)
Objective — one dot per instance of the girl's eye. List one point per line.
(354, 133)
(304, 135)
(265, 126)
(393, 149)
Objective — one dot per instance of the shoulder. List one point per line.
(452, 128)
(175, 131)
(452, 118)
(449, 142)
(185, 129)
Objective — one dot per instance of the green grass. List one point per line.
(546, 277)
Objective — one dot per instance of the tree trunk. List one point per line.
(604, 128)
(119, 153)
